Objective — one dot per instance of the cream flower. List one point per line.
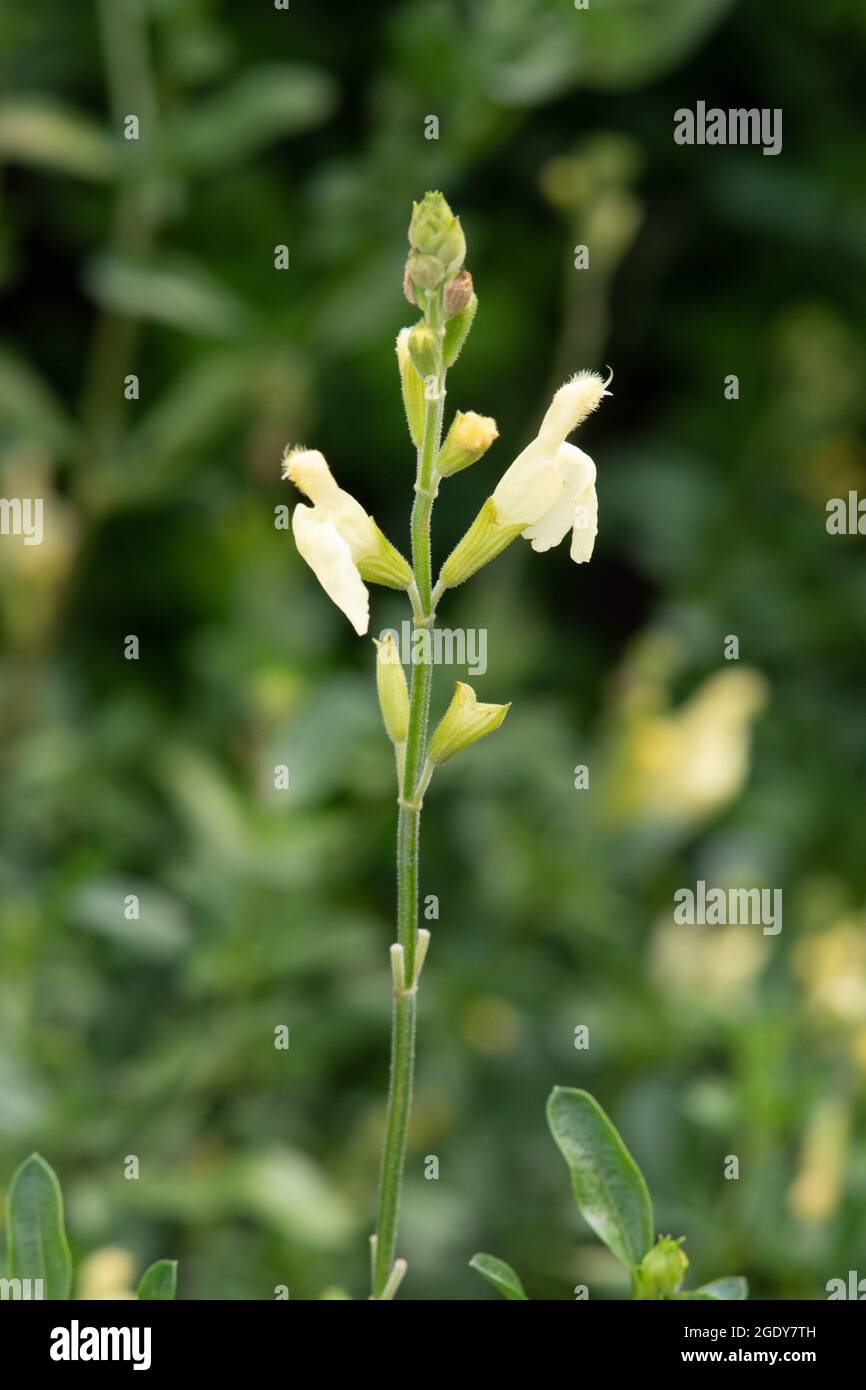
(550, 488)
(339, 541)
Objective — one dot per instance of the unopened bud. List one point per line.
(469, 437)
(392, 689)
(457, 330)
(435, 234)
(457, 294)
(408, 287)
(425, 272)
(412, 387)
(662, 1269)
(464, 722)
(424, 350)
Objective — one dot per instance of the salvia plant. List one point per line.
(547, 491)
(614, 1200)
(38, 1261)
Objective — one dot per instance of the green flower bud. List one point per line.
(457, 294)
(464, 722)
(392, 689)
(486, 538)
(424, 272)
(383, 563)
(662, 1269)
(424, 350)
(412, 387)
(457, 330)
(435, 233)
(469, 437)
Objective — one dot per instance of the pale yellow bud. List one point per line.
(463, 723)
(424, 350)
(469, 437)
(392, 689)
(412, 388)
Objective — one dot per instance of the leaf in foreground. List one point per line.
(500, 1275)
(159, 1281)
(38, 1248)
(608, 1186)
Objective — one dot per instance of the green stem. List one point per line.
(408, 832)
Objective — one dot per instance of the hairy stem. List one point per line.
(408, 831)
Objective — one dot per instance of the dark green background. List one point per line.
(154, 1038)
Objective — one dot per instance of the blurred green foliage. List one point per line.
(155, 777)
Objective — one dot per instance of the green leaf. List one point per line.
(732, 1287)
(39, 131)
(28, 405)
(159, 1281)
(500, 1275)
(169, 289)
(608, 1186)
(266, 103)
(38, 1248)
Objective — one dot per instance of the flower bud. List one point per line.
(425, 272)
(457, 330)
(662, 1269)
(464, 722)
(486, 538)
(424, 350)
(408, 287)
(436, 234)
(457, 294)
(392, 689)
(469, 437)
(412, 387)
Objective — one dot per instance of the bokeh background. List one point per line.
(155, 777)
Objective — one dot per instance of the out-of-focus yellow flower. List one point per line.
(686, 764)
(107, 1273)
(832, 966)
(716, 967)
(815, 1192)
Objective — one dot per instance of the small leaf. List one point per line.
(267, 103)
(38, 1248)
(159, 1281)
(38, 131)
(608, 1186)
(500, 1275)
(169, 289)
(732, 1287)
(28, 404)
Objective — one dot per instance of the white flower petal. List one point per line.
(353, 524)
(330, 559)
(577, 474)
(570, 406)
(529, 488)
(308, 470)
(585, 525)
